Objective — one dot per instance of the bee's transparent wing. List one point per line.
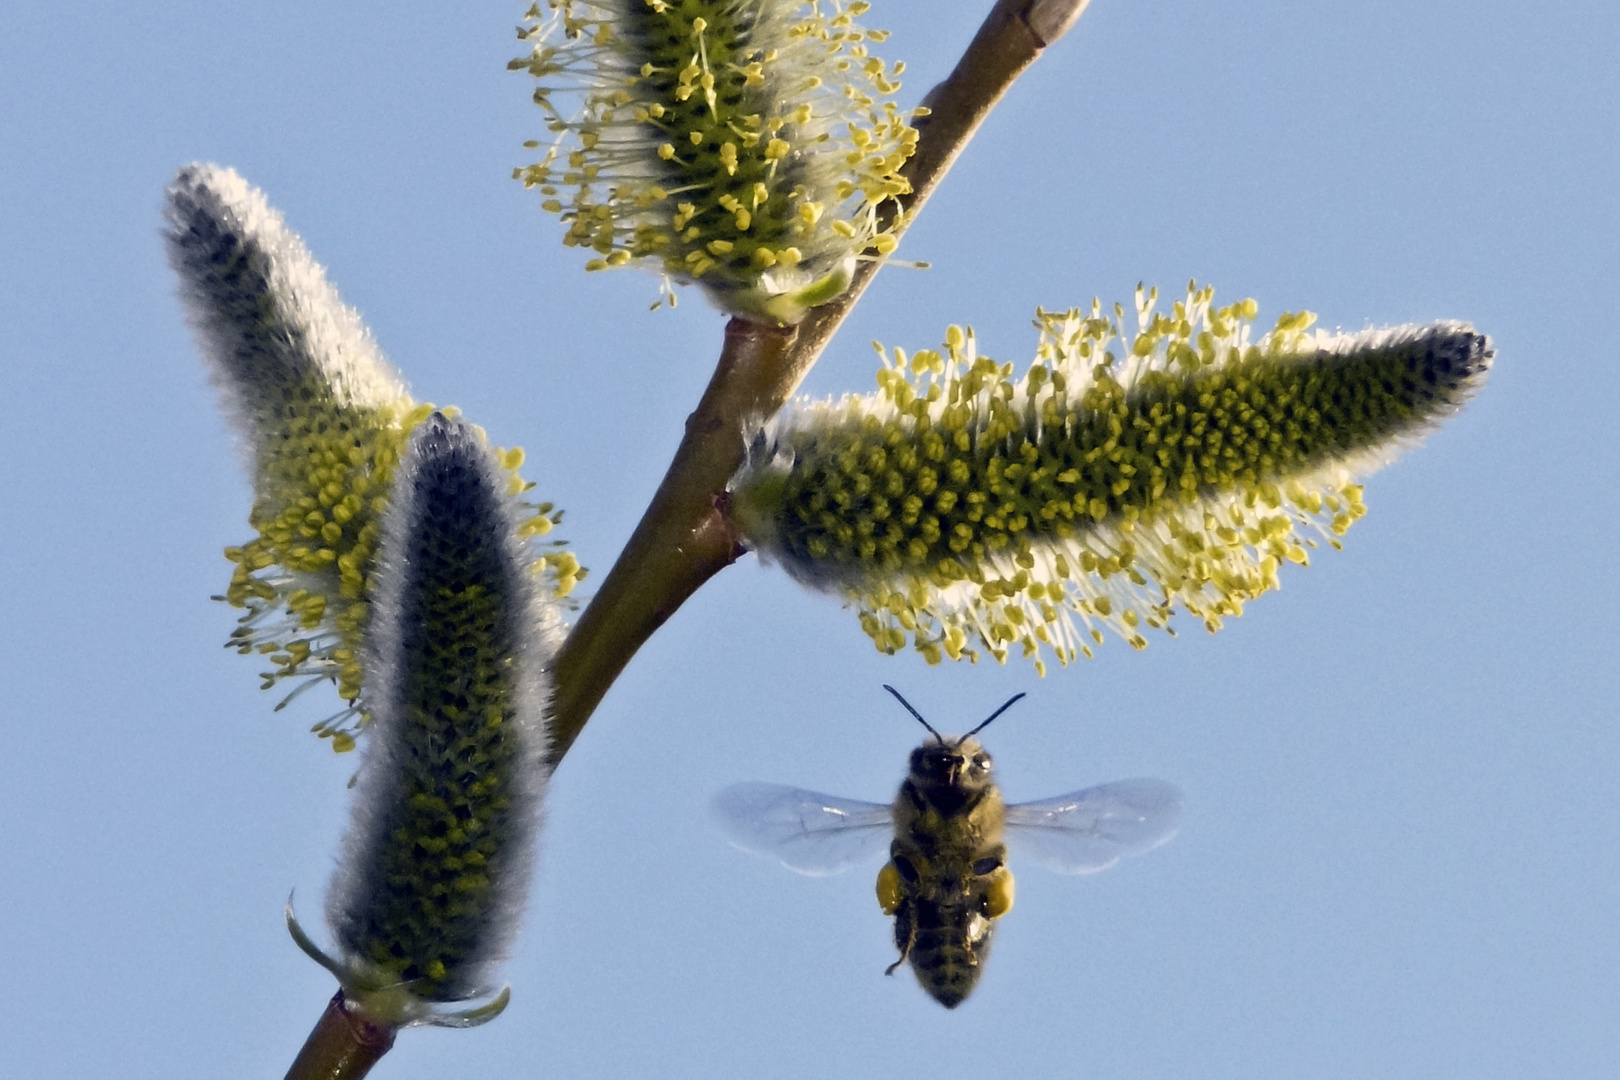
(809, 832)
(1086, 831)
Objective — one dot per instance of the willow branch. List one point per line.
(343, 1046)
(685, 537)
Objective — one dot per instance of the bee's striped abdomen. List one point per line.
(949, 945)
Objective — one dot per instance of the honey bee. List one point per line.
(947, 882)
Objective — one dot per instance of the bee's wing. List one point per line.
(1086, 831)
(809, 832)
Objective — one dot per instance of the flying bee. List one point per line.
(947, 882)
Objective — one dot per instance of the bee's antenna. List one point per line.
(986, 723)
(925, 723)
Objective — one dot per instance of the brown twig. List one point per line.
(684, 538)
(343, 1046)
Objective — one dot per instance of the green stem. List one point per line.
(343, 1046)
(685, 537)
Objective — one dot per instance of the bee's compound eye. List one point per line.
(998, 897)
(888, 889)
(986, 866)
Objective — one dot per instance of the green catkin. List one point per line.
(431, 881)
(744, 145)
(1123, 477)
(323, 419)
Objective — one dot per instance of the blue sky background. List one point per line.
(1400, 853)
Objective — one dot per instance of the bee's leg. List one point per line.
(905, 933)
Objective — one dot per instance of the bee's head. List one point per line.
(961, 764)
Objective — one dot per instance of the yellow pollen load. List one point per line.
(888, 888)
(998, 897)
(962, 509)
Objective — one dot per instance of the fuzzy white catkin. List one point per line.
(437, 861)
(263, 311)
(1127, 475)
